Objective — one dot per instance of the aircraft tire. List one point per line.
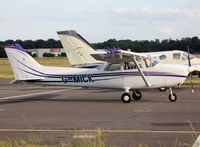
(137, 95)
(163, 89)
(172, 97)
(126, 98)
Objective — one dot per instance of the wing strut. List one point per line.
(141, 72)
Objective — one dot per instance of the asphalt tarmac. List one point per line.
(61, 114)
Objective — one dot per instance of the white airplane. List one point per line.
(123, 70)
(78, 52)
(177, 57)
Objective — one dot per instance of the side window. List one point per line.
(129, 65)
(183, 58)
(162, 57)
(176, 56)
(151, 62)
(113, 67)
(147, 63)
(185, 54)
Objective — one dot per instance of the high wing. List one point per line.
(120, 56)
(117, 55)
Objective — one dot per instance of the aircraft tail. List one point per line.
(77, 48)
(23, 65)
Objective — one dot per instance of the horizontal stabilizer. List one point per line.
(25, 79)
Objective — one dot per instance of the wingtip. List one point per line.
(68, 32)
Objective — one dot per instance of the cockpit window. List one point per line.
(130, 65)
(150, 62)
(190, 55)
(176, 56)
(162, 57)
(113, 67)
(154, 62)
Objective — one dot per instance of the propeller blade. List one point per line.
(189, 64)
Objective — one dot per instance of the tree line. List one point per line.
(136, 46)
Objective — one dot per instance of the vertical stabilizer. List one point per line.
(77, 48)
(23, 65)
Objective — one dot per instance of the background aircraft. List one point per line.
(177, 57)
(78, 52)
(77, 49)
(123, 70)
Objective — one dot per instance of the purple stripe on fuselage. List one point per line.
(16, 46)
(180, 76)
(145, 72)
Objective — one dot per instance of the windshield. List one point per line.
(190, 55)
(113, 67)
(154, 62)
(150, 62)
(176, 56)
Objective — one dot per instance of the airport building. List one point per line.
(40, 52)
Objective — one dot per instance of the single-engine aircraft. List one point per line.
(123, 70)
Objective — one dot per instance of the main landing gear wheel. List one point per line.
(137, 95)
(163, 89)
(172, 97)
(126, 98)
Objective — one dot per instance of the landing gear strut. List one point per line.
(172, 96)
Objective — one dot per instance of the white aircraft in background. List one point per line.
(78, 53)
(123, 70)
(177, 57)
(77, 49)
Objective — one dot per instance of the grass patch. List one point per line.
(85, 138)
(35, 141)
(99, 140)
(197, 55)
(6, 70)
(195, 82)
(54, 61)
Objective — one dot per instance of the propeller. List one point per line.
(189, 63)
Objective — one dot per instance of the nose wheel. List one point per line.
(172, 96)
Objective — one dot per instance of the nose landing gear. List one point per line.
(172, 96)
